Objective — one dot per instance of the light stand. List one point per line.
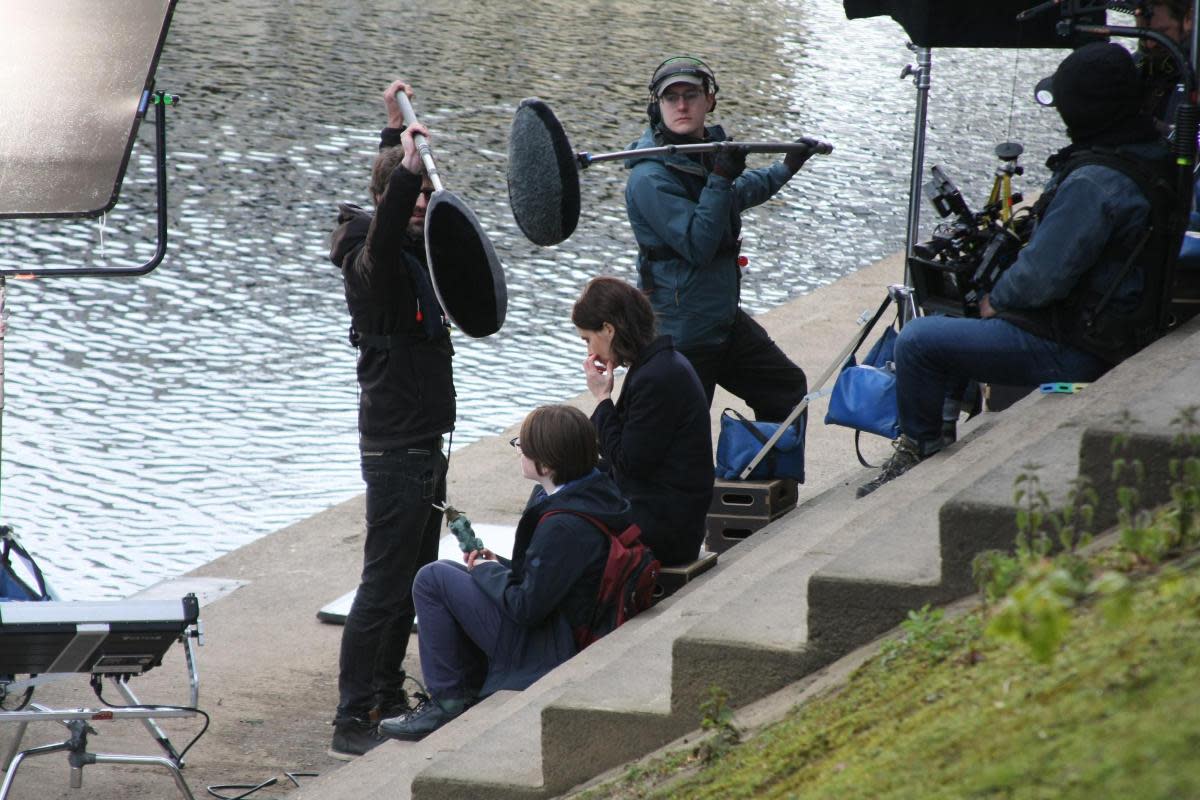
(97, 61)
(920, 76)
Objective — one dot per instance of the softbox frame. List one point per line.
(72, 88)
(954, 23)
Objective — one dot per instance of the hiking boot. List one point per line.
(423, 720)
(907, 456)
(352, 738)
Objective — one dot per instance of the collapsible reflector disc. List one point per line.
(467, 275)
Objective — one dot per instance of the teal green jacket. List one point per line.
(687, 222)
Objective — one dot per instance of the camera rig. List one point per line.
(969, 250)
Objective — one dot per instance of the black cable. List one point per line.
(24, 700)
(98, 688)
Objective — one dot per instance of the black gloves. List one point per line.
(795, 159)
(731, 161)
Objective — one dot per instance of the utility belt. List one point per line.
(662, 252)
(385, 341)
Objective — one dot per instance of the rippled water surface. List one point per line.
(152, 424)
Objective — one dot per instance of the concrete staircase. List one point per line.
(795, 596)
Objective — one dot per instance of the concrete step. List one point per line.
(604, 717)
(1149, 434)
(964, 496)
(804, 590)
(749, 641)
(388, 770)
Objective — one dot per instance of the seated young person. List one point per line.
(657, 437)
(498, 624)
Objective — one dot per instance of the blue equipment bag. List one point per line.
(741, 440)
(864, 395)
(20, 576)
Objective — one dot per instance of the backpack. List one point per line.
(627, 586)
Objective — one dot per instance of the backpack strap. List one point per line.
(609, 531)
(858, 451)
(626, 537)
(866, 329)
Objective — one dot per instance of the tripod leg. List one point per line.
(16, 742)
(11, 774)
(146, 761)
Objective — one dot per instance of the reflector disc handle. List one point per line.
(410, 118)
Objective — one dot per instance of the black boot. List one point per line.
(907, 456)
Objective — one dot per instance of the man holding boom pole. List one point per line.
(406, 404)
(686, 216)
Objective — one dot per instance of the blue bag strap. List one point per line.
(757, 434)
(866, 331)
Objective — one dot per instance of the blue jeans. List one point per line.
(460, 627)
(935, 356)
(402, 536)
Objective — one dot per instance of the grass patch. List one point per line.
(946, 711)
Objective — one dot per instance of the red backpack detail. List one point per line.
(627, 586)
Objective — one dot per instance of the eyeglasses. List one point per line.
(515, 442)
(671, 98)
(427, 192)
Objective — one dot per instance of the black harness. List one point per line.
(1084, 318)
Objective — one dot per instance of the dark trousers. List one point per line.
(402, 536)
(460, 627)
(751, 366)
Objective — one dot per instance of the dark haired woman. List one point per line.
(499, 624)
(657, 437)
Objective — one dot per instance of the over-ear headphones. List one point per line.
(681, 65)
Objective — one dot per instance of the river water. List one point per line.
(152, 424)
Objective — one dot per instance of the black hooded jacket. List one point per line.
(404, 358)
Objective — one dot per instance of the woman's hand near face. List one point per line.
(599, 377)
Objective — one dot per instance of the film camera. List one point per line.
(969, 250)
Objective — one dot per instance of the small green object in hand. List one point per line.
(460, 526)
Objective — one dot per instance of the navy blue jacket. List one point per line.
(657, 440)
(551, 584)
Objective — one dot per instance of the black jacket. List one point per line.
(553, 580)
(404, 359)
(657, 440)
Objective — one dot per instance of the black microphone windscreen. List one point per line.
(543, 176)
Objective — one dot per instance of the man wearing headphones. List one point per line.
(685, 213)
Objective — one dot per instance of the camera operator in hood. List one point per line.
(685, 211)
(1084, 292)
